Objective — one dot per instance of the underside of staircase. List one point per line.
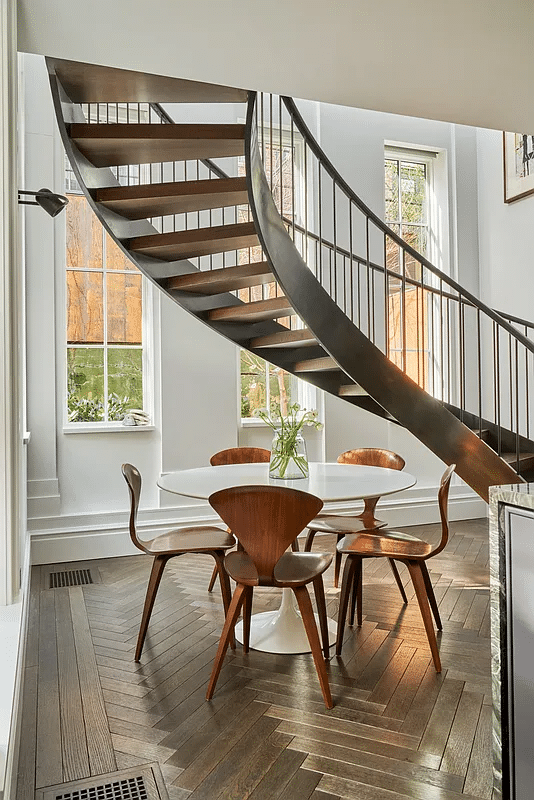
(207, 268)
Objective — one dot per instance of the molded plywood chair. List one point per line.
(237, 455)
(412, 551)
(265, 520)
(210, 540)
(366, 521)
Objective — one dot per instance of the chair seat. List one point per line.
(336, 523)
(292, 569)
(386, 543)
(192, 540)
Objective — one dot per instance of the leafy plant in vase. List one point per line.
(289, 458)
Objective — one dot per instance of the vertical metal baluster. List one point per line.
(306, 240)
(517, 419)
(510, 382)
(449, 345)
(441, 342)
(417, 337)
(292, 176)
(281, 156)
(333, 283)
(403, 307)
(431, 340)
(320, 206)
(262, 132)
(387, 348)
(527, 401)
(462, 357)
(351, 264)
(426, 361)
(271, 138)
(370, 285)
(479, 370)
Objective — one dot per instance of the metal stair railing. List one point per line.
(457, 349)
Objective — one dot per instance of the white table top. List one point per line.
(329, 481)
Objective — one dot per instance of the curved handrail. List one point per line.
(357, 356)
(381, 225)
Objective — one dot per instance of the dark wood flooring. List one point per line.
(398, 730)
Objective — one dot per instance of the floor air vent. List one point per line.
(71, 577)
(137, 783)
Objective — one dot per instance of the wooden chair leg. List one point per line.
(213, 578)
(416, 574)
(227, 631)
(397, 577)
(309, 541)
(247, 613)
(431, 596)
(356, 599)
(158, 566)
(224, 581)
(346, 584)
(318, 588)
(337, 561)
(305, 606)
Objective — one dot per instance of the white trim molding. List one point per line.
(88, 536)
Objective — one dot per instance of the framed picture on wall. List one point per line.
(518, 159)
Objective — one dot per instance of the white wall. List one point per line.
(505, 230)
(78, 500)
(468, 62)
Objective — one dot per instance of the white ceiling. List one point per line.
(466, 61)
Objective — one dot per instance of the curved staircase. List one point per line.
(333, 276)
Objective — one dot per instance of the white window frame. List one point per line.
(147, 347)
(307, 395)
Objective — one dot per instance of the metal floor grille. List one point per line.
(72, 577)
(135, 783)
(129, 789)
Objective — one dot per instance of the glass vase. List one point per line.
(289, 459)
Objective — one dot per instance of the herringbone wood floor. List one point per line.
(397, 730)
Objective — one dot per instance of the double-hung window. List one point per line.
(106, 354)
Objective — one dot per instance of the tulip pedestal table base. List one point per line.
(282, 631)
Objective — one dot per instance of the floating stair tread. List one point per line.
(301, 337)
(352, 390)
(526, 460)
(116, 144)
(253, 312)
(223, 280)
(159, 199)
(93, 83)
(317, 365)
(196, 241)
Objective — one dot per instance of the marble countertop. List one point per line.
(515, 494)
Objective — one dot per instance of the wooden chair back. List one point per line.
(443, 498)
(372, 457)
(132, 476)
(265, 520)
(241, 455)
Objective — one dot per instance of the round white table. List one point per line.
(282, 631)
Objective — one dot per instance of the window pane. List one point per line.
(84, 307)
(392, 190)
(124, 308)
(279, 382)
(125, 380)
(413, 182)
(85, 384)
(253, 388)
(115, 258)
(84, 235)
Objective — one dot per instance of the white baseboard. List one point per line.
(89, 536)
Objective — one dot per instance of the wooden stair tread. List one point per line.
(301, 337)
(159, 199)
(196, 241)
(254, 312)
(352, 390)
(94, 83)
(116, 144)
(223, 280)
(526, 460)
(325, 363)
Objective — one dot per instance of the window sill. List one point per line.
(253, 422)
(103, 427)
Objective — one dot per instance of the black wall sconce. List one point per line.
(52, 203)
